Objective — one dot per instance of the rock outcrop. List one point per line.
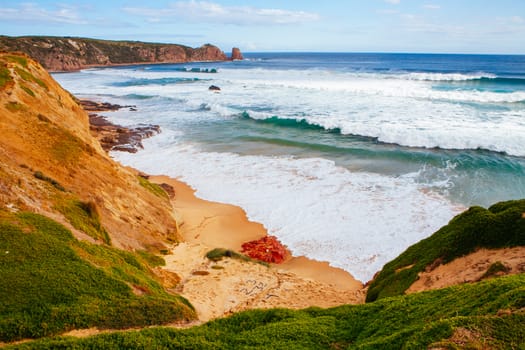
(69, 54)
(236, 54)
(113, 137)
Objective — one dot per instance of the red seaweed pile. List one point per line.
(267, 249)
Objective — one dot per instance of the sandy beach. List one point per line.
(220, 288)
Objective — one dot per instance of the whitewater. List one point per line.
(346, 158)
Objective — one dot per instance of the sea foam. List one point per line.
(356, 221)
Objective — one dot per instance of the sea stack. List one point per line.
(236, 54)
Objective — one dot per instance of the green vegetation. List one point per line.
(27, 90)
(5, 76)
(416, 321)
(152, 259)
(84, 217)
(218, 254)
(27, 76)
(52, 283)
(153, 188)
(495, 269)
(14, 107)
(502, 225)
(67, 148)
(20, 60)
(39, 175)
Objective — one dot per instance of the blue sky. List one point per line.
(453, 26)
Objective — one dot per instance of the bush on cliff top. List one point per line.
(502, 225)
(52, 283)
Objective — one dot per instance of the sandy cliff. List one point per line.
(50, 163)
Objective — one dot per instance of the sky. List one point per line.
(440, 26)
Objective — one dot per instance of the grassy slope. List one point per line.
(413, 322)
(502, 225)
(52, 283)
(487, 314)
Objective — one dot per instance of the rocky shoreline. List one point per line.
(113, 137)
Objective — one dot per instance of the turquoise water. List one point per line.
(347, 158)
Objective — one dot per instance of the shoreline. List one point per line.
(220, 288)
(217, 289)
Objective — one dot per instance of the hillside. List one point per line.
(81, 240)
(68, 53)
(485, 315)
(498, 227)
(50, 164)
(78, 231)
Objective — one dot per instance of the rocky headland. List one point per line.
(61, 54)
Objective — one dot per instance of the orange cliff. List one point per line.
(49, 161)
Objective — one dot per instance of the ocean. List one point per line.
(345, 157)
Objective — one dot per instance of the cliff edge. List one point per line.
(50, 164)
(69, 54)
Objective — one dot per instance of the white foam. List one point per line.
(446, 76)
(356, 221)
(403, 109)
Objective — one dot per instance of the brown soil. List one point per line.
(470, 268)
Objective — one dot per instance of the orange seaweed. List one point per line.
(267, 249)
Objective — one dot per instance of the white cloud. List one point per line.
(394, 2)
(431, 7)
(204, 11)
(31, 12)
(388, 12)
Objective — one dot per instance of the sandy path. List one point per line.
(221, 288)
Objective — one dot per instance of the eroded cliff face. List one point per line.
(67, 54)
(50, 164)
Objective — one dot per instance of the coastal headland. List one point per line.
(64, 54)
(90, 245)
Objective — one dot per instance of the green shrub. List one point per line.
(218, 254)
(5, 76)
(49, 285)
(27, 76)
(502, 225)
(415, 321)
(494, 269)
(20, 60)
(14, 106)
(83, 216)
(153, 188)
(39, 175)
(27, 90)
(151, 259)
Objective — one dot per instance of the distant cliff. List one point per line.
(68, 54)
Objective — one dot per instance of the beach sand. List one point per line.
(220, 288)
